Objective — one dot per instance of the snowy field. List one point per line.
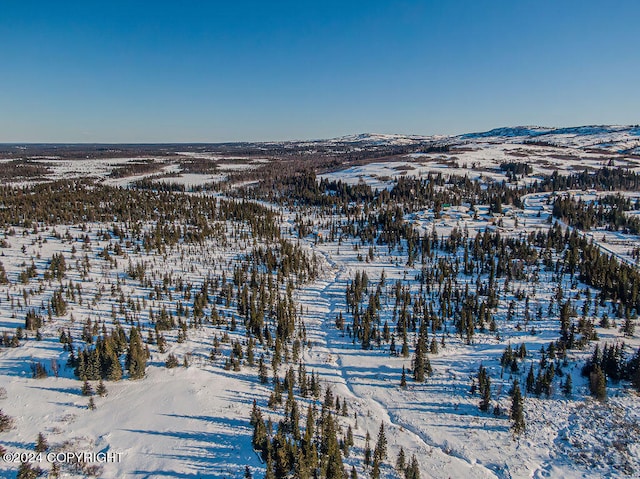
(193, 421)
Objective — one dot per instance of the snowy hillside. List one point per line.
(611, 138)
(373, 306)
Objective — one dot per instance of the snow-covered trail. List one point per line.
(438, 421)
(335, 361)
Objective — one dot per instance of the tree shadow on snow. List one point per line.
(73, 391)
(215, 454)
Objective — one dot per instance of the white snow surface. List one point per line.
(194, 422)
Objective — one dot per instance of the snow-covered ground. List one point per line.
(191, 422)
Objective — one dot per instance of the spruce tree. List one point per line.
(262, 370)
(54, 472)
(633, 370)
(531, 380)
(332, 459)
(375, 468)
(171, 361)
(28, 471)
(101, 389)
(250, 353)
(112, 370)
(420, 361)
(328, 398)
(6, 422)
(413, 470)
(405, 346)
(598, 383)
(3, 274)
(400, 461)
(136, 356)
(41, 443)
(568, 386)
(484, 384)
(308, 445)
(255, 413)
(367, 449)
(87, 389)
(349, 437)
(270, 474)
(517, 409)
(381, 446)
(260, 439)
(629, 327)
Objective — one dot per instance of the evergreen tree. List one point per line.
(171, 361)
(629, 327)
(260, 439)
(375, 468)
(484, 385)
(633, 370)
(262, 370)
(6, 422)
(54, 472)
(3, 275)
(328, 398)
(332, 459)
(136, 361)
(405, 346)
(308, 446)
(531, 380)
(401, 461)
(87, 389)
(112, 369)
(517, 409)
(367, 449)
(413, 470)
(421, 363)
(58, 304)
(250, 353)
(101, 389)
(568, 386)
(381, 446)
(598, 383)
(270, 474)
(28, 471)
(41, 443)
(635, 379)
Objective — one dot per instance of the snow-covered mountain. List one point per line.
(608, 137)
(614, 138)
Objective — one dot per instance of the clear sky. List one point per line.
(209, 71)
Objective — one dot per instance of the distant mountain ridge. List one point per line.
(621, 139)
(618, 138)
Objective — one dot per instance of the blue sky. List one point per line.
(185, 71)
